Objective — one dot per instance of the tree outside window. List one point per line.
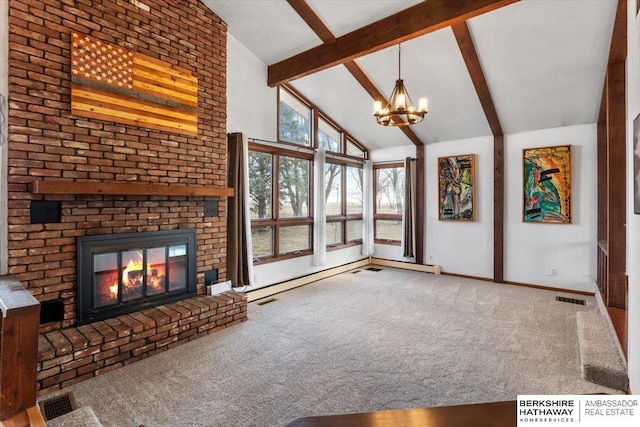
(343, 200)
(282, 230)
(294, 120)
(389, 190)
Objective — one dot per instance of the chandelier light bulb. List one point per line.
(423, 104)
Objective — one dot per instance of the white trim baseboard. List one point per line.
(301, 281)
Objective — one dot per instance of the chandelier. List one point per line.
(399, 109)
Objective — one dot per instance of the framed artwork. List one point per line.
(636, 164)
(547, 184)
(456, 188)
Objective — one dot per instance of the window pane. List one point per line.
(390, 190)
(388, 230)
(262, 241)
(354, 230)
(328, 136)
(334, 233)
(177, 267)
(333, 189)
(260, 171)
(353, 149)
(295, 238)
(294, 120)
(294, 187)
(354, 190)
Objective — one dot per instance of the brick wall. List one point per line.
(46, 141)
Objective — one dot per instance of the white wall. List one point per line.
(461, 247)
(533, 250)
(251, 104)
(633, 220)
(4, 91)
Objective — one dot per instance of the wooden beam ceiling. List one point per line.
(315, 23)
(618, 49)
(312, 20)
(470, 56)
(405, 25)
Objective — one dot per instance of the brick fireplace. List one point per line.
(123, 273)
(46, 143)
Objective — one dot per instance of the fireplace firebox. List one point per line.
(122, 273)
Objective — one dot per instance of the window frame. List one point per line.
(383, 216)
(291, 149)
(341, 134)
(315, 113)
(275, 221)
(344, 217)
(312, 118)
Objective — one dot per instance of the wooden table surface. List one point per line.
(496, 414)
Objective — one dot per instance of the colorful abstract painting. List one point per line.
(547, 184)
(456, 187)
(636, 165)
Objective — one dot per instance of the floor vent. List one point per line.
(267, 301)
(374, 269)
(571, 300)
(57, 406)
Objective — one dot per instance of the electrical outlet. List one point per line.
(554, 271)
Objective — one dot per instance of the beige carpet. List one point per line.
(354, 343)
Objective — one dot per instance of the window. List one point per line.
(354, 149)
(294, 119)
(328, 136)
(343, 198)
(281, 229)
(280, 182)
(389, 191)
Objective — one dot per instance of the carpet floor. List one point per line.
(355, 343)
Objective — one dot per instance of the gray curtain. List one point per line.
(238, 223)
(408, 238)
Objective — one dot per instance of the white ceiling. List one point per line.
(544, 62)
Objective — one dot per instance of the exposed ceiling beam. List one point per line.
(315, 23)
(312, 20)
(618, 49)
(470, 56)
(408, 24)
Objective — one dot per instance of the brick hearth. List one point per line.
(75, 354)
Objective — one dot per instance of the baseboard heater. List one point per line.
(276, 288)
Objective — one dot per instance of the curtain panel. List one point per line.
(319, 212)
(408, 214)
(239, 252)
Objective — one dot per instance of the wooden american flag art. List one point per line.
(111, 83)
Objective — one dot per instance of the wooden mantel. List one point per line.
(59, 186)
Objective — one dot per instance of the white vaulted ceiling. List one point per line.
(544, 62)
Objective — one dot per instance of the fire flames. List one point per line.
(132, 277)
